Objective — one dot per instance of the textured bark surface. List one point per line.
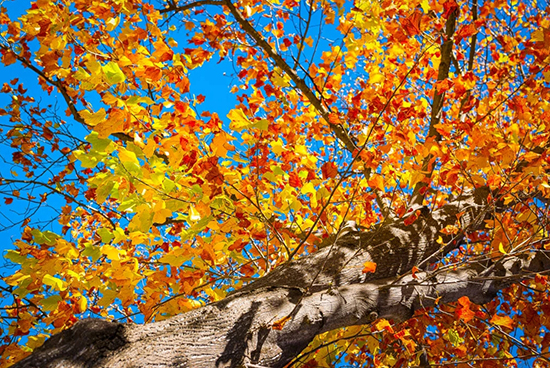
(320, 292)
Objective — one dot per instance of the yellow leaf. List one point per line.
(92, 119)
(113, 73)
(126, 156)
(111, 252)
(415, 178)
(277, 146)
(383, 324)
(112, 23)
(376, 78)
(58, 43)
(194, 215)
(82, 304)
(373, 345)
(239, 120)
(175, 257)
(308, 188)
(54, 282)
(66, 249)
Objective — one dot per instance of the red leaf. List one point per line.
(411, 24)
(8, 200)
(247, 270)
(465, 31)
(294, 180)
(412, 218)
(449, 7)
(238, 245)
(329, 170)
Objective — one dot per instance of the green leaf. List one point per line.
(81, 74)
(175, 257)
(105, 234)
(46, 237)
(22, 285)
(50, 303)
(92, 251)
(262, 124)
(103, 191)
(453, 336)
(195, 229)
(15, 257)
(99, 144)
(143, 220)
(108, 298)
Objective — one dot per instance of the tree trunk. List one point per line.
(270, 321)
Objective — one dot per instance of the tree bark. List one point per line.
(270, 321)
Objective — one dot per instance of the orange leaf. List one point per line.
(463, 312)
(376, 182)
(247, 270)
(443, 85)
(333, 119)
(370, 267)
(504, 321)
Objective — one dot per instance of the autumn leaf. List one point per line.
(329, 170)
(174, 157)
(113, 74)
(504, 321)
(369, 267)
(411, 24)
(463, 312)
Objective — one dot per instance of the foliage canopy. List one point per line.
(371, 112)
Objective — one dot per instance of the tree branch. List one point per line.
(175, 8)
(437, 105)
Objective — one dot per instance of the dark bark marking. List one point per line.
(88, 342)
(237, 339)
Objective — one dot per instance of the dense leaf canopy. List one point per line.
(347, 115)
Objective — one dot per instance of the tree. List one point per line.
(377, 195)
